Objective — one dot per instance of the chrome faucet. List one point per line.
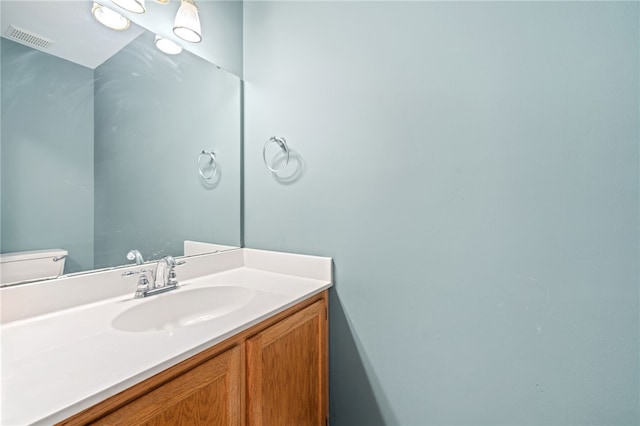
(163, 280)
(165, 272)
(135, 255)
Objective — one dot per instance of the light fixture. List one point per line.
(135, 6)
(163, 1)
(187, 23)
(167, 46)
(109, 18)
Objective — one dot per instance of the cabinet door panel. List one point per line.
(209, 394)
(286, 371)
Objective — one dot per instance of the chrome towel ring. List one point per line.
(212, 162)
(285, 148)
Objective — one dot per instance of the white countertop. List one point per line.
(58, 363)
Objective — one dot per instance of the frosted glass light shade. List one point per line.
(135, 6)
(110, 18)
(167, 46)
(187, 23)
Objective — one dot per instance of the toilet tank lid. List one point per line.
(33, 254)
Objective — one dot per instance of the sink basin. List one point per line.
(182, 308)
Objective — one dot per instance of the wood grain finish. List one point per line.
(286, 371)
(209, 394)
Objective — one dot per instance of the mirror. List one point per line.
(99, 161)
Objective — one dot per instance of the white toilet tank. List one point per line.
(31, 265)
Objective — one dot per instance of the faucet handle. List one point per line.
(143, 282)
(141, 271)
(143, 287)
(172, 280)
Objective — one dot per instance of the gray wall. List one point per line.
(157, 113)
(473, 170)
(47, 155)
(222, 30)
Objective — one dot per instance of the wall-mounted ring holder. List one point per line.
(210, 166)
(282, 143)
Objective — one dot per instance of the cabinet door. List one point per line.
(209, 394)
(287, 371)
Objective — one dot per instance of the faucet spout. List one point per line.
(163, 280)
(164, 271)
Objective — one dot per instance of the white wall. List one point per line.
(473, 170)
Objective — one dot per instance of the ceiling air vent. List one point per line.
(27, 37)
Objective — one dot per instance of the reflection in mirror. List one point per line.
(99, 161)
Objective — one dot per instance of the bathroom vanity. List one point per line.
(254, 353)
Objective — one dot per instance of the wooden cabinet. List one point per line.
(209, 394)
(274, 373)
(286, 371)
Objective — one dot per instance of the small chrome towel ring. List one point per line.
(283, 145)
(212, 161)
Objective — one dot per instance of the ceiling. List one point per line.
(79, 38)
(76, 35)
